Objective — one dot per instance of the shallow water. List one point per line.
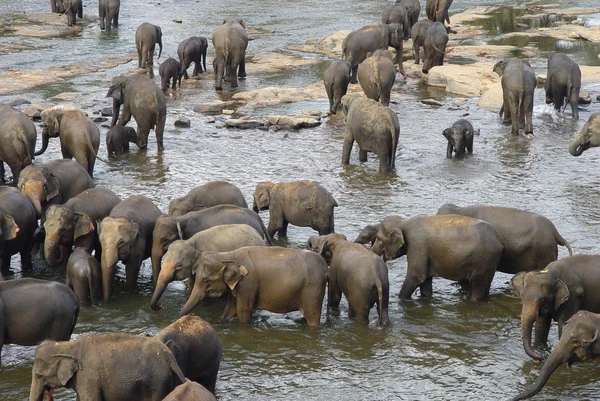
(443, 349)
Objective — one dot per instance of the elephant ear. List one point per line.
(116, 89)
(561, 294)
(233, 273)
(83, 225)
(447, 133)
(323, 247)
(67, 366)
(135, 230)
(9, 227)
(517, 283)
(467, 133)
(241, 21)
(397, 236)
(52, 187)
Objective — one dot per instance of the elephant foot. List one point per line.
(403, 74)
(242, 75)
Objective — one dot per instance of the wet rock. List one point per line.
(541, 79)
(66, 96)
(584, 97)
(431, 102)
(261, 63)
(106, 111)
(210, 120)
(106, 125)
(277, 95)
(183, 122)
(228, 112)
(214, 107)
(243, 123)
(18, 102)
(522, 25)
(294, 122)
(34, 111)
(245, 110)
(177, 20)
(316, 113)
(598, 98)
(100, 119)
(490, 51)
(275, 128)
(330, 46)
(570, 33)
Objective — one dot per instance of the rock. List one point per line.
(210, 120)
(275, 128)
(19, 102)
(541, 79)
(228, 112)
(100, 119)
(34, 111)
(182, 121)
(214, 107)
(243, 123)
(522, 26)
(598, 98)
(177, 20)
(431, 102)
(584, 97)
(330, 46)
(107, 111)
(261, 63)
(294, 122)
(277, 95)
(312, 113)
(66, 96)
(106, 125)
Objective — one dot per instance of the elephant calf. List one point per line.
(190, 391)
(146, 38)
(518, 87)
(589, 137)
(84, 276)
(169, 70)
(17, 141)
(118, 138)
(192, 50)
(18, 223)
(377, 75)
(434, 45)
(563, 82)
(418, 36)
(336, 79)
(207, 195)
(460, 138)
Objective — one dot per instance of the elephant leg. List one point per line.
(5, 264)
(574, 101)
(159, 130)
(513, 107)
(385, 163)
(470, 145)
(184, 67)
(142, 56)
(282, 232)
(334, 296)
(83, 162)
(233, 78)
(80, 10)
(102, 15)
(125, 116)
(132, 271)
(2, 182)
(196, 66)
(190, 283)
(243, 309)
(230, 308)
(311, 306)
(242, 68)
(480, 284)
(449, 149)
(542, 328)
(91, 162)
(116, 19)
(353, 77)
(411, 283)
(198, 62)
(275, 222)
(427, 288)
(348, 142)
(528, 108)
(151, 55)
(362, 156)
(416, 52)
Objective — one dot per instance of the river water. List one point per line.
(443, 349)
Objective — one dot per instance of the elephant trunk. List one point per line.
(53, 252)
(155, 258)
(45, 140)
(576, 147)
(163, 281)
(116, 109)
(110, 258)
(159, 48)
(37, 390)
(529, 315)
(197, 295)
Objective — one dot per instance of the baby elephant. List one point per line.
(118, 138)
(418, 36)
(336, 79)
(169, 69)
(368, 235)
(460, 138)
(84, 276)
(190, 391)
(563, 82)
(377, 76)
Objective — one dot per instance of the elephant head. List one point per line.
(185, 204)
(54, 367)
(501, 65)
(458, 136)
(347, 101)
(63, 227)
(166, 230)
(52, 118)
(396, 37)
(8, 227)
(117, 92)
(390, 240)
(39, 185)
(262, 196)
(325, 245)
(368, 235)
(589, 137)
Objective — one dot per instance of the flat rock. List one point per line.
(106, 111)
(432, 102)
(277, 95)
(34, 111)
(489, 51)
(294, 122)
(568, 32)
(177, 20)
(584, 97)
(261, 63)
(243, 123)
(66, 96)
(183, 122)
(330, 46)
(311, 113)
(214, 107)
(18, 102)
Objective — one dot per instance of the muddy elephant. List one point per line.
(252, 278)
(450, 246)
(437, 10)
(17, 141)
(118, 138)
(53, 183)
(190, 391)
(126, 235)
(230, 41)
(357, 273)
(196, 347)
(192, 50)
(169, 70)
(35, 310)
(374, 127)
(84, 276)
(301, 203)
(397, 14)
(563, 82)
(181, 259)
(589, 137)
(358, 44)
(336, 79)
(563, 288)
(377, 76)
(207, 195)
(434, 46)
(146, 38)
(57, 6)
(418, 36)
(460, 138)
(413, 9)
(73, 9)
(531, 239)
(142, 99)
(108, 10)
(128, 364)
(74, 224)
(368, 235)
(79, 136)
(518, 86)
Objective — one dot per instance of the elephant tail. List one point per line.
(265, 232)
(562, 242)
(28, 156)
(436, 49)
(382, 302)
(176, 369)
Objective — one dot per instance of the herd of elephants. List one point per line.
(212, 239)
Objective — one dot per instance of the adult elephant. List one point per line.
(108, 11)
(377, 76)
(437, 10)
(79, 136)
(589, 137)
(73, 9)
(192, 50)
(207, 195)
(110, 367)
(418, 37)
(190, 391)
(531, 239)
(374, 127)
(230, 41)
(142, 99)
(413, 9)
(434, 46)
(397, 14)
(146, 38)
(17, 141)
(35, 310)
(336, 79)
(126, 235)
(563, 82)
(558, 292)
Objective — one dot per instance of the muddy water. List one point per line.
(443, 349)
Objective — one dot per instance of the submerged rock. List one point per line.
(214, 107)
(294, 122)
(432, 102)
(243, 123)
(106, 111)
(183, 122)
(18, 102)
(584, 97)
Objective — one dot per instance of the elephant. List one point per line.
(518, 86)
(437, 10)
(208, 195)
(17, 141)
(108, 11)
(563, 81)
(79, 136)
(357, 273)
(301, 203)
(230, 41)
(418, 36)
(374, 127)
(142, 99)
(118, 138)
(450, 246)
(460, 138)
(33, 310)
(368, 235)
(413, 9)
(53, 183)
(358, 44)
(397, 14)
(84, 276)
(169, 70)
(182, 256)
(74, 224)
(563, 288)
(169, 228)
(579, 342)
(196, 347)
(336, 79)
(57, 6)
(126, 235)
(146, 38)
(377, 75)
(190, 391)
(434, 45)
(589, 137)
(252, 277)
(192, 50)
(73, 9)
(531, 239)
(108, 367)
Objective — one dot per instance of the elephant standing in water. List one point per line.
(336, 79)
(230, 41)
(146, 38)
(437, 10)
(108, 11)
(190, 391)
(518, 87)
(460, 138)
(207, 195)
(434, 46)
(73, 9)
(589, 137)
(413, 9)
(377, 75)
(170, 69)
(57, 6)
(118, 138)
(397, 14)
(192, 50)
(17, 141)
(84, 276)
(563, 82)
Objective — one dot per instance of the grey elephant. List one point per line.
(190, 391)
(252, 278)
(169, 70)
(79, 136)
(34, 310)
(142, 99)
(374, 127)
(358, 44)
(207, 195)
(57, 6)
(531, 239)
(192, 50)
(460, 138)
(397, 14)
(357, 273)
(146, 38)
(118, 138)
(450, 246)
(437, 10)
(336, 79)
(301, 203)
(73, 9)
(17, 141)
(108, 10)
(589, 137)
(518, 86)
(413, 9)
(129, 364)
(434, 45)
(126, 235)
(377, 75)
(181, 259)
(230, 41)
(563, 82)
(368, 235)
(418, 36)
(84, 276)
(563, 288)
